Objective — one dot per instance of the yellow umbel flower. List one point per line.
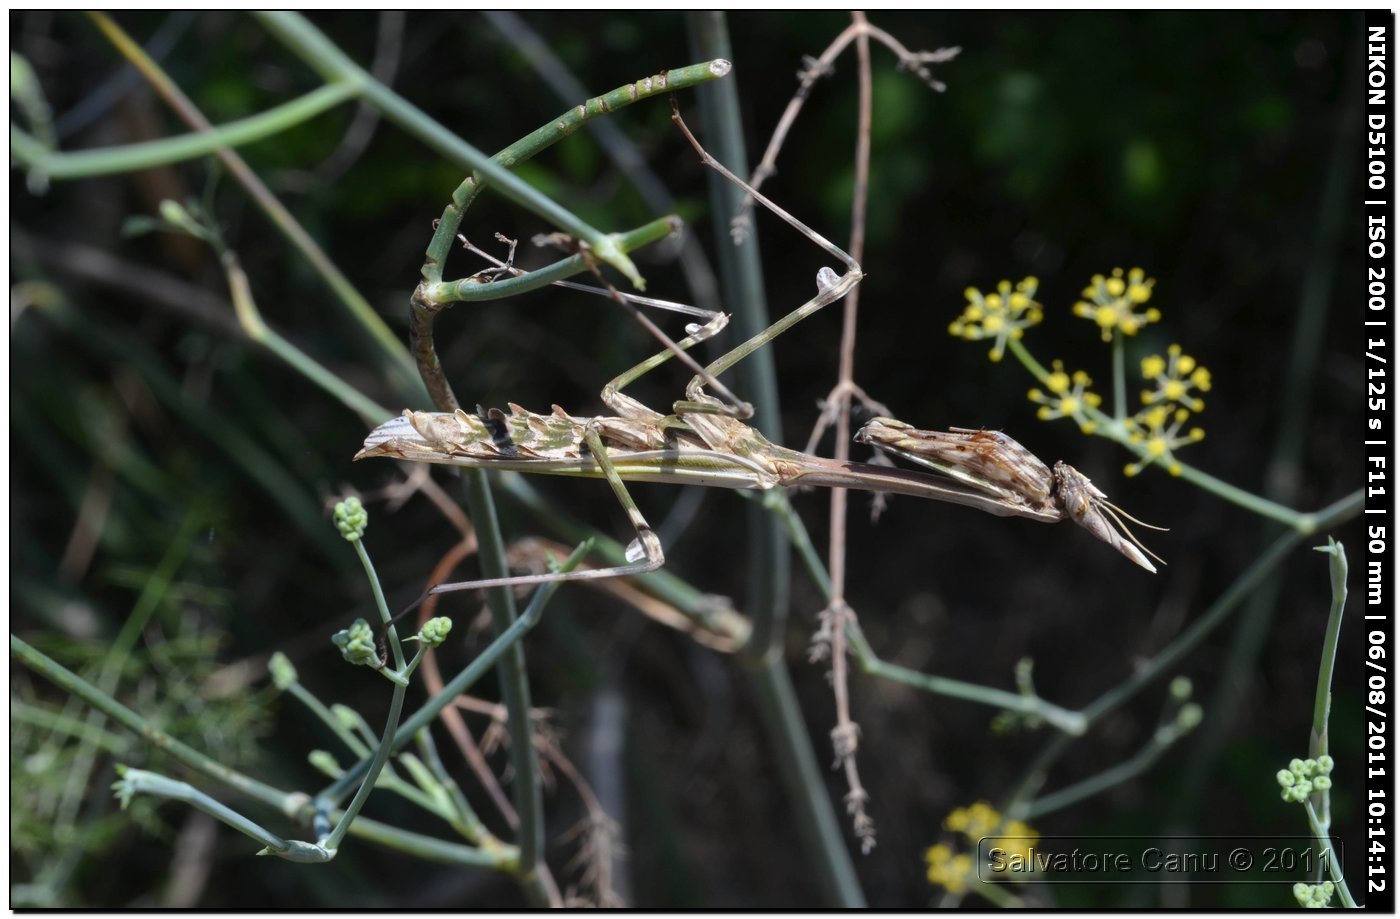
(1068, 397)
(1000, 316)
(1157, 429)
(948, 870)
(1176, 376)
(975, 823)
(1111, 302)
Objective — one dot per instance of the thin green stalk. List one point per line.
(468, 676)
(804, 781)
(381, 756)
(1243, 586)
(61, 723)
(1331, 516)
(1322, 701)
(1160, 741)
(250, 318)
(741, 280)
(500, 857)
(141, 782)
(354, 744)
(323, 56)
(550, 133)
(1334, 858)
(83, 164)
(75, 685)
(1120, 378)
(624, 153)
(475, 291)
(515, 686)
(1114, 429)
(388, 346)
(1070, 722)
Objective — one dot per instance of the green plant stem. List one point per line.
(75, 685)
(472, 290)
(323, 56)
(1072, 723)
(1120, 378)
(697, 606)
(381, 756)
(624, 153)
(741, 280)
(83, 164)
(1115, 430)
(388, 347)
(500, 856)
(1322, 701)
(547, 135)
(250, 318)
(1262, 567)
(468, 676)
(1161, 741)
(803, 778)
(515, 687)
(57, 722)
(140, 781)
(1334, 858)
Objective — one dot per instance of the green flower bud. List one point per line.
(356, 644)
(351, 519)
(1285, 778)
(434, 631)
(324, 762)
(284, 674)
(1325, 763)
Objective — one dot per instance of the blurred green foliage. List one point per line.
(1194, 144)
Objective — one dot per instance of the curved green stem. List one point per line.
(472, 290)
(82, 164)
(335, 66)
(386, 342)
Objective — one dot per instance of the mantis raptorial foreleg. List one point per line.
(644, 553)
(713, 426)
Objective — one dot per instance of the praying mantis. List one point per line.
(704, 441)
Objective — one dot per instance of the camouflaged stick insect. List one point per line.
(702, 442)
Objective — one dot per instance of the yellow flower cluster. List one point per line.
(952, 870)
(1000, 316)
(1158, 428)
(1069, 395)
(1111, 302)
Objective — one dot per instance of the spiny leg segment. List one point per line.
(716, 422)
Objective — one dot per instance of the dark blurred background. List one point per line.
(1219, 152)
